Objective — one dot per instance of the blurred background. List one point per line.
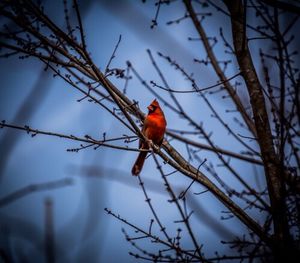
(49, 193)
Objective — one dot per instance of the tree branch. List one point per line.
(264, 135)
(217, 68)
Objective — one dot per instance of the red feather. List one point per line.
(154, 129)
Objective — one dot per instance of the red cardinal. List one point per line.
(154, 129)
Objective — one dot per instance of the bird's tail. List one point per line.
(138, 165)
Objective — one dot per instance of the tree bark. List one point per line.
(271, 161)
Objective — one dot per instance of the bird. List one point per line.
(154, 129)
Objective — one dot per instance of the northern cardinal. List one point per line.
(154, 129)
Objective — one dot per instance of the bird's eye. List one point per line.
(152, 108)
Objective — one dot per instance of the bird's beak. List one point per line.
(150, 108)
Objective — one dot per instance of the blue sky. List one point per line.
(81, 225)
